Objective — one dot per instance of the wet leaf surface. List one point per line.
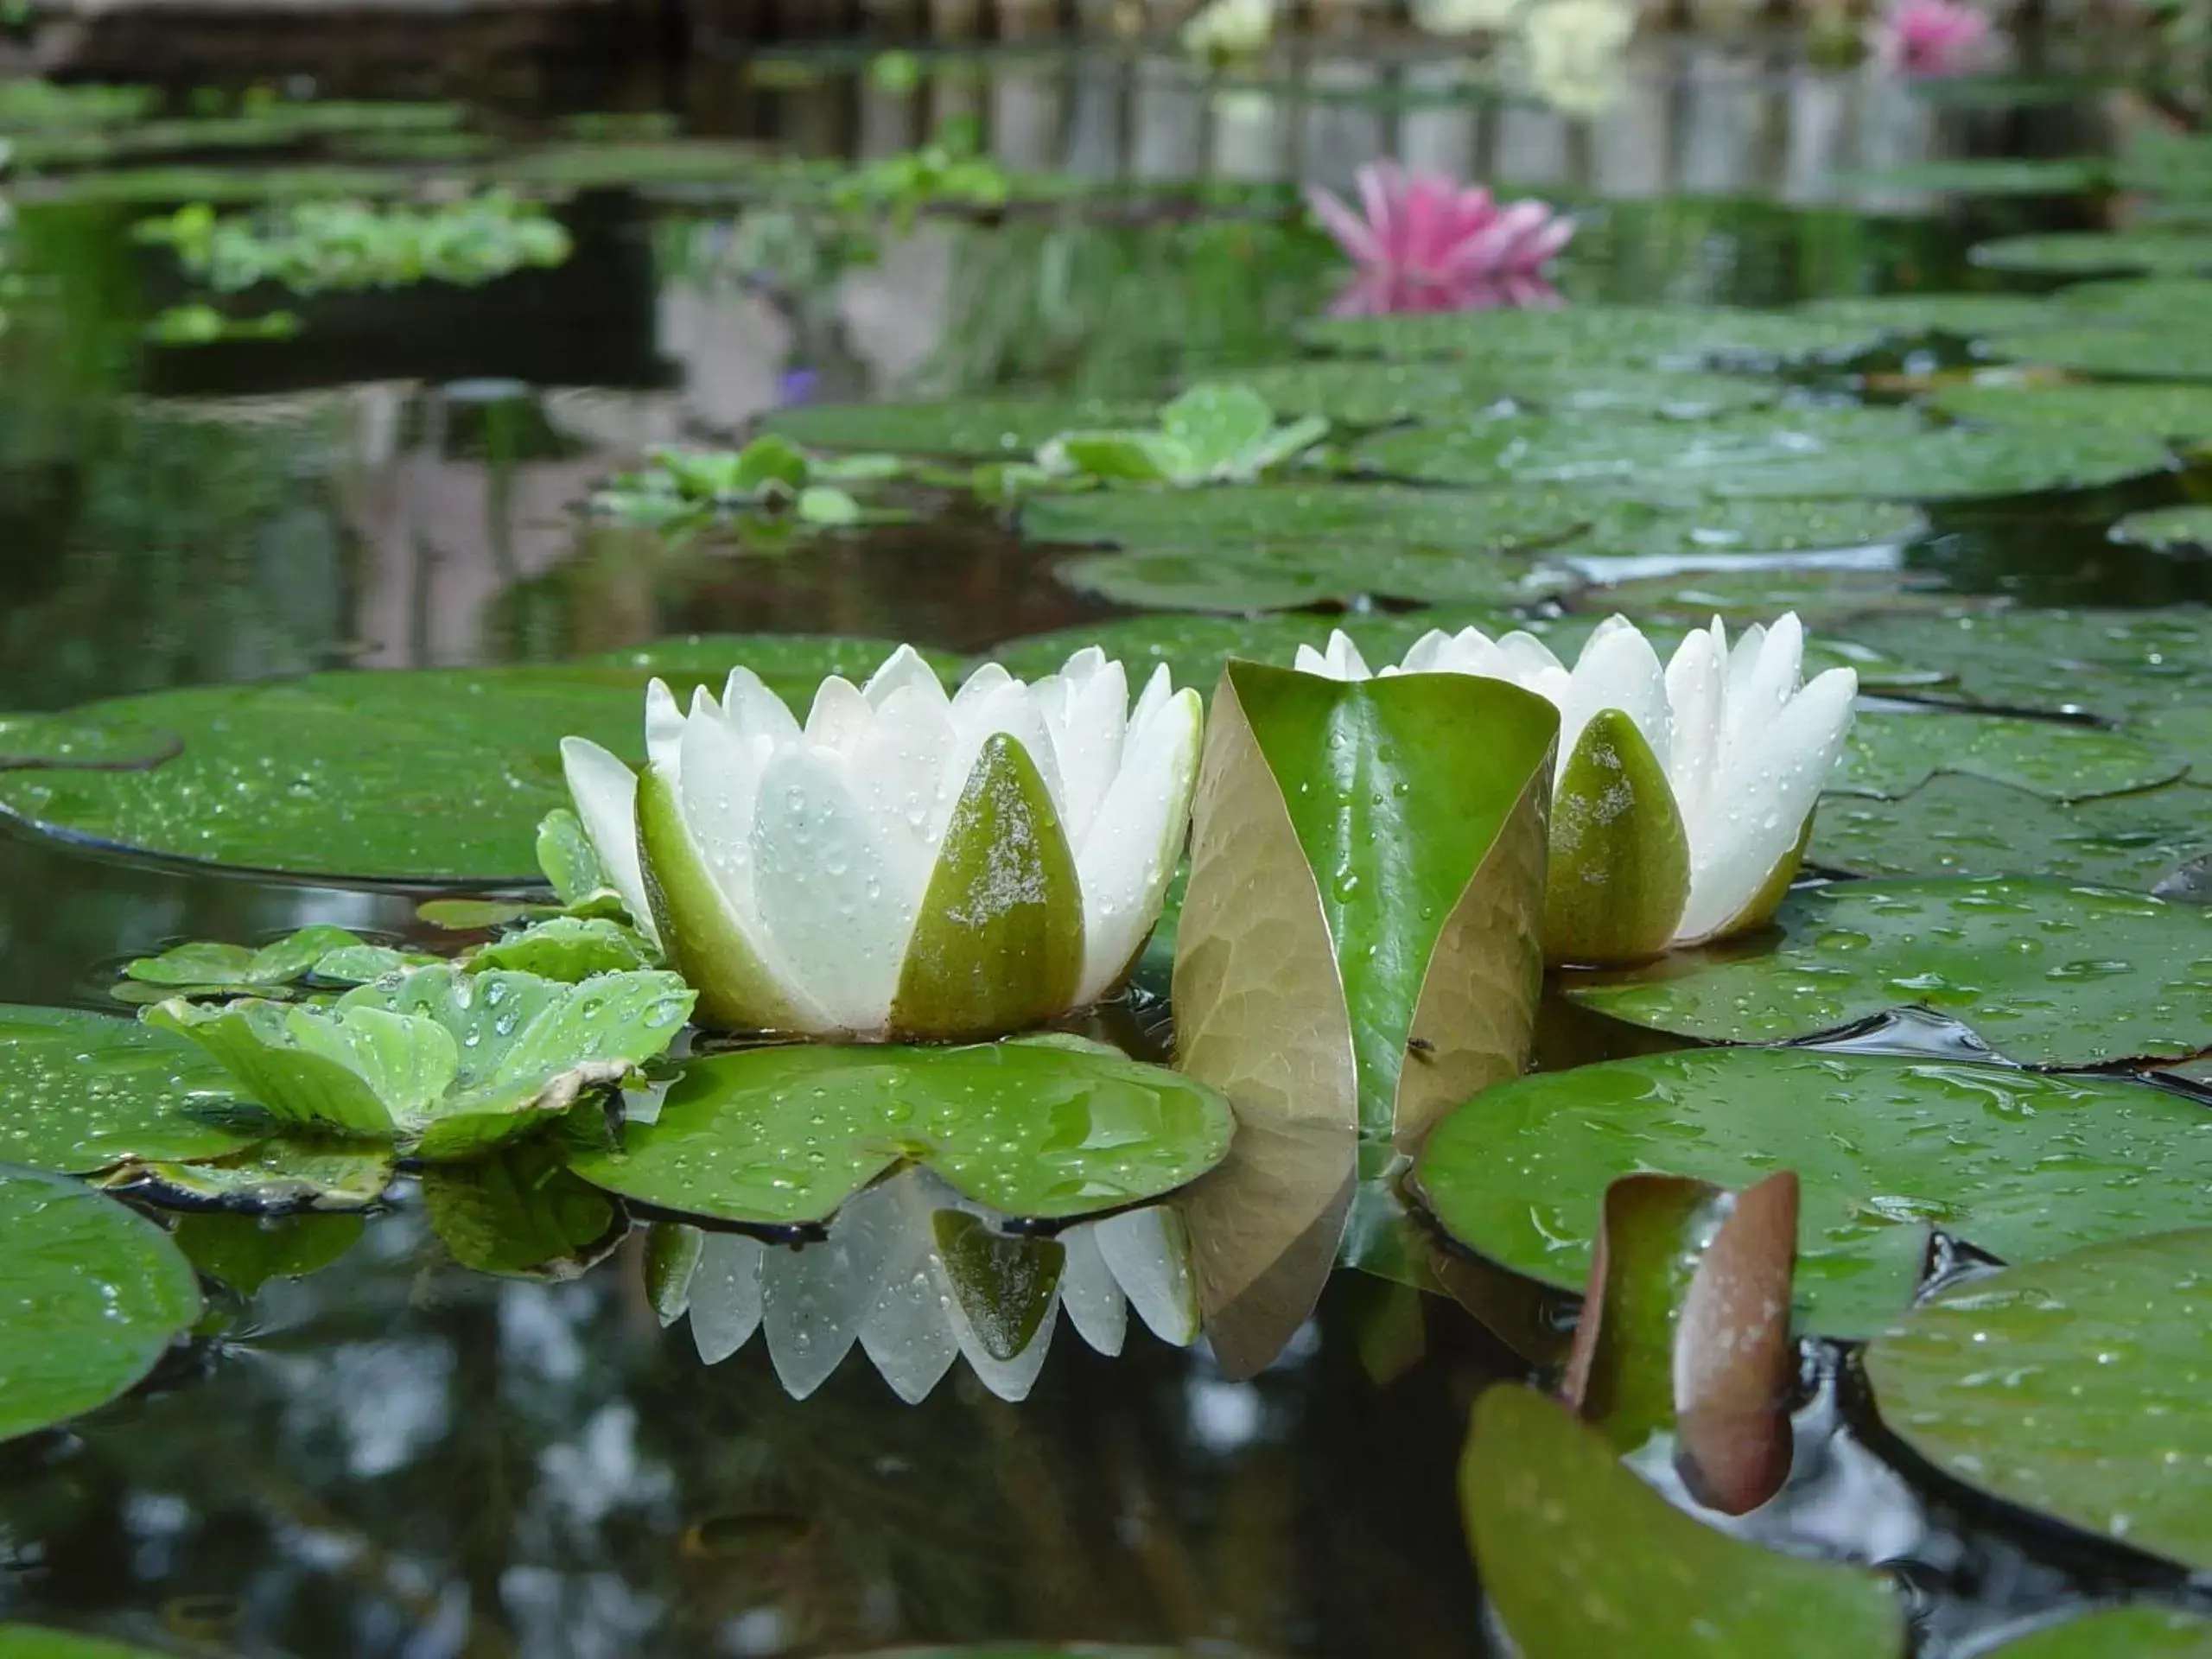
(775, 1136)
(86, 1091)
(2168, 530)
(245, 1252)
(2072, 1386)
(1285, 575)
(1642, 335)
(2023, 1165)
(1892, 755)
(2047, 973)
(92, 1293)
(1361, 516)
(2178, 414)
(985, 429)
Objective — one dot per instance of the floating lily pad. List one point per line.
(2168, 529)
(1283, 576)
(2026, 1165)
(2073, 1387)
(245, 1252)
(2092, 253)
(87, 1092)
(1910, 316)
(1967, 826)
(1956, 463)
(2114, 664)
(1360, 516)
(980, 427)
(35, 1642)
(1893, 755)
(1576, 1552)
(1362, 392)
(91, 1295)
(2047, 973)
(49, 743)
(2148, 353)
(776, 1136)
(1644, 335)
(1708, 529)
(2178, 414)
(1983, 175)
(2139, 1632)
(1823, 598)
(281, 1175)
(2143, 302)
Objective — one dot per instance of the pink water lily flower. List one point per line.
(1931, 37)
(1426, 244)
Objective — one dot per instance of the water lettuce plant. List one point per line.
(771, 476)
(1684, 795)
(1213, 434)
(907, 863)
(443, 1063)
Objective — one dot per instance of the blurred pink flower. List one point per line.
(1426, 244)
(1931, 37)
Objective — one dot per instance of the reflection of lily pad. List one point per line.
(1892, 755)
(1362, 515)
(91, 1295)
(85, 1091)
(245, 1252)
(782, 1136)
(2047, 973)
(1284, 575)
(1967, 826)
(2168, 529)
(2073, 1387)
(982, 427)
(1575, 1552)
(2023, 1164)
(522, 1214)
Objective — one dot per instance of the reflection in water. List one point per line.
(916, 1275)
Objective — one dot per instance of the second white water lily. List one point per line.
(908, 863)
(1684, 793)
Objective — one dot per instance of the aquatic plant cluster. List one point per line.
(1508, 683)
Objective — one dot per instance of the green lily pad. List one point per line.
(521, 1213)
(2118, 665)
(2094, 253)
(1288, 575)
(1892, 755)
(449, 1063)
(87, 1092)
(2047, 974)
(1627, 454)
(979, 427)
(2139, 1632)
(1363, 393)
(2148, 353)
(91, 1295)
(1575, 1552)
(2073, 1387)
(775, 1136)
(1823, 598)
(1708, 529)
(1359, 516)
(1954, 826)
(35, 1642)
(1957, 463)
(2178, 414)
(1983, 175)
(1644, 335)
(435, 774)
(2139, 301)
(2023, 1164)
(245, 1252)
(2168, 529)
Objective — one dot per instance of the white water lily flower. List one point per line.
(1683, 795)
(909, 863)
(1229, 29)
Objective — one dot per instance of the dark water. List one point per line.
(397, 1457)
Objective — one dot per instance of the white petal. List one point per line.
(821, 889)
(1096, 1306)
(1772, 783)
(1149, 1252)
(815, 1298)
(842, 717)
(900, 767)
(1340, 661)
(908, 1333)
(753, 710)
(664, 726)
(1087, 717)
(605, 795)
(1617, 670)
(1126, 861)
(725, 1295)
(1005, 705)
(905, 668)
(1529, 663)
(1697, 682)
(1157, 690)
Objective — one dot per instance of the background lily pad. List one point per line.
(1284, 575)
(783, 1135)
(1359, 516)
(91, 1295)
(1957, 463)
(35, 1642)
(1575, 1552)
(2090, 253)
(2150, 353)
(2168, 530)
(87, 1092)
(2047, 973)
(2073, 1387)
(2180, 413)
(982, 427)
(1355, 391)
(1895, 754)
(2023, 1164)
(1618, 333)
(1710, 529)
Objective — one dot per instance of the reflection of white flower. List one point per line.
(1572, 50)
(908, 862)
(1743, 748)
(882, 1279)
(1229, 29)
(1464, 16)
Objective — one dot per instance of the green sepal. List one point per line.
(703, 940)
(997, 945)
(1620, 856)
